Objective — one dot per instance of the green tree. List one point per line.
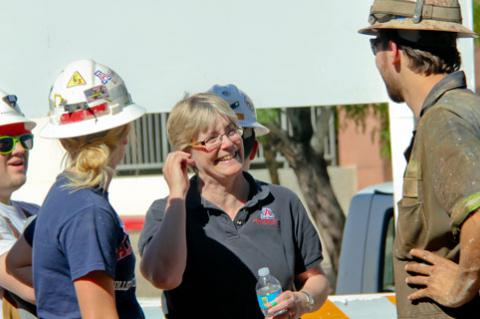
(302, 147)
(476, 19)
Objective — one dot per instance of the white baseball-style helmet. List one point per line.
(10, 112)
(242, 105)
(86, 98)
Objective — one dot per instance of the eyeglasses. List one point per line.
(7, 143)
(211, 143)
(374, 44)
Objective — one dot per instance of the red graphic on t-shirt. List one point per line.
(125, 249)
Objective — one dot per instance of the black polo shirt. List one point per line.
(223, 256)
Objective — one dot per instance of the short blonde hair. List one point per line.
(90, 157)
(194, 115)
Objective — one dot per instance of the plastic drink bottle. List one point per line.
(268, 288)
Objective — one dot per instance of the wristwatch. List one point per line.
(309, 299)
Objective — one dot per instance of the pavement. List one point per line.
(151, 308)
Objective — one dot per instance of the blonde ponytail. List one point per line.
(89, 157)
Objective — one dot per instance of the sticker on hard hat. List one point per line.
(104, 78)
(84, 113)
(76, 80)
(96, 93)
(58, 100)
(11, 100)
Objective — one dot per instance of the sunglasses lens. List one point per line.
(6, 144)
(27, 141)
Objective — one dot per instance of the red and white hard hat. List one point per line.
(10, 112)
(86, 98)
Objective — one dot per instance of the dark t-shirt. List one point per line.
(223, 256)
(29, 232)
(78, 232)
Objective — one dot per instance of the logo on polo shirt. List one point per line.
(267, 214)
(267, 217)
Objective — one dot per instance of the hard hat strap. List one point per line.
(395, 9)
(417, 17)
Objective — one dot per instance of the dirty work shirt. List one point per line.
(12, 221)
(223, 256)
(78, 232)
(441, 187)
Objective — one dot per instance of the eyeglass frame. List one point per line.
(219, 138)
(17, 139)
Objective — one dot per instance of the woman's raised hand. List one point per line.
(175, 171)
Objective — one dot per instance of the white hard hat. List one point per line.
(86, 98)
(242, 105)
(10, 112)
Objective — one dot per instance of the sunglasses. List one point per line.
(374, 43)
(8, 143)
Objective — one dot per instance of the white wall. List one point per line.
(283, 53)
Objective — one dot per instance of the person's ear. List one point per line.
(394, 52)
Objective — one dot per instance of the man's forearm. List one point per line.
(470, 255)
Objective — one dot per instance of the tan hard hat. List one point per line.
(421, 15)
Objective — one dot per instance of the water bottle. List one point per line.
(268, 288)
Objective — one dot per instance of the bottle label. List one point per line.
(265, 301)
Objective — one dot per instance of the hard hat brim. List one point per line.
(29, 125)
(260, 130)
(424, 25)
(94, 125)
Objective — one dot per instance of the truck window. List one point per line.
(388, 282)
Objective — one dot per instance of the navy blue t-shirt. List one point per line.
(78, 232)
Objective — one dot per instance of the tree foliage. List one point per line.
(302, 146)
(301, 142)
(476, 19)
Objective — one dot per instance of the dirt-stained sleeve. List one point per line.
(452, 150)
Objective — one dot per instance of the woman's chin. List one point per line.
(229, 168)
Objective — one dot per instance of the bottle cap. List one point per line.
(264, 272)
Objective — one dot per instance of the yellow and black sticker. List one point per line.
(76, 80)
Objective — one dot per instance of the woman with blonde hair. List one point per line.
(83, 264)
(205, 242)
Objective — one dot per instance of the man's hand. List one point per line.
(443, 280)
